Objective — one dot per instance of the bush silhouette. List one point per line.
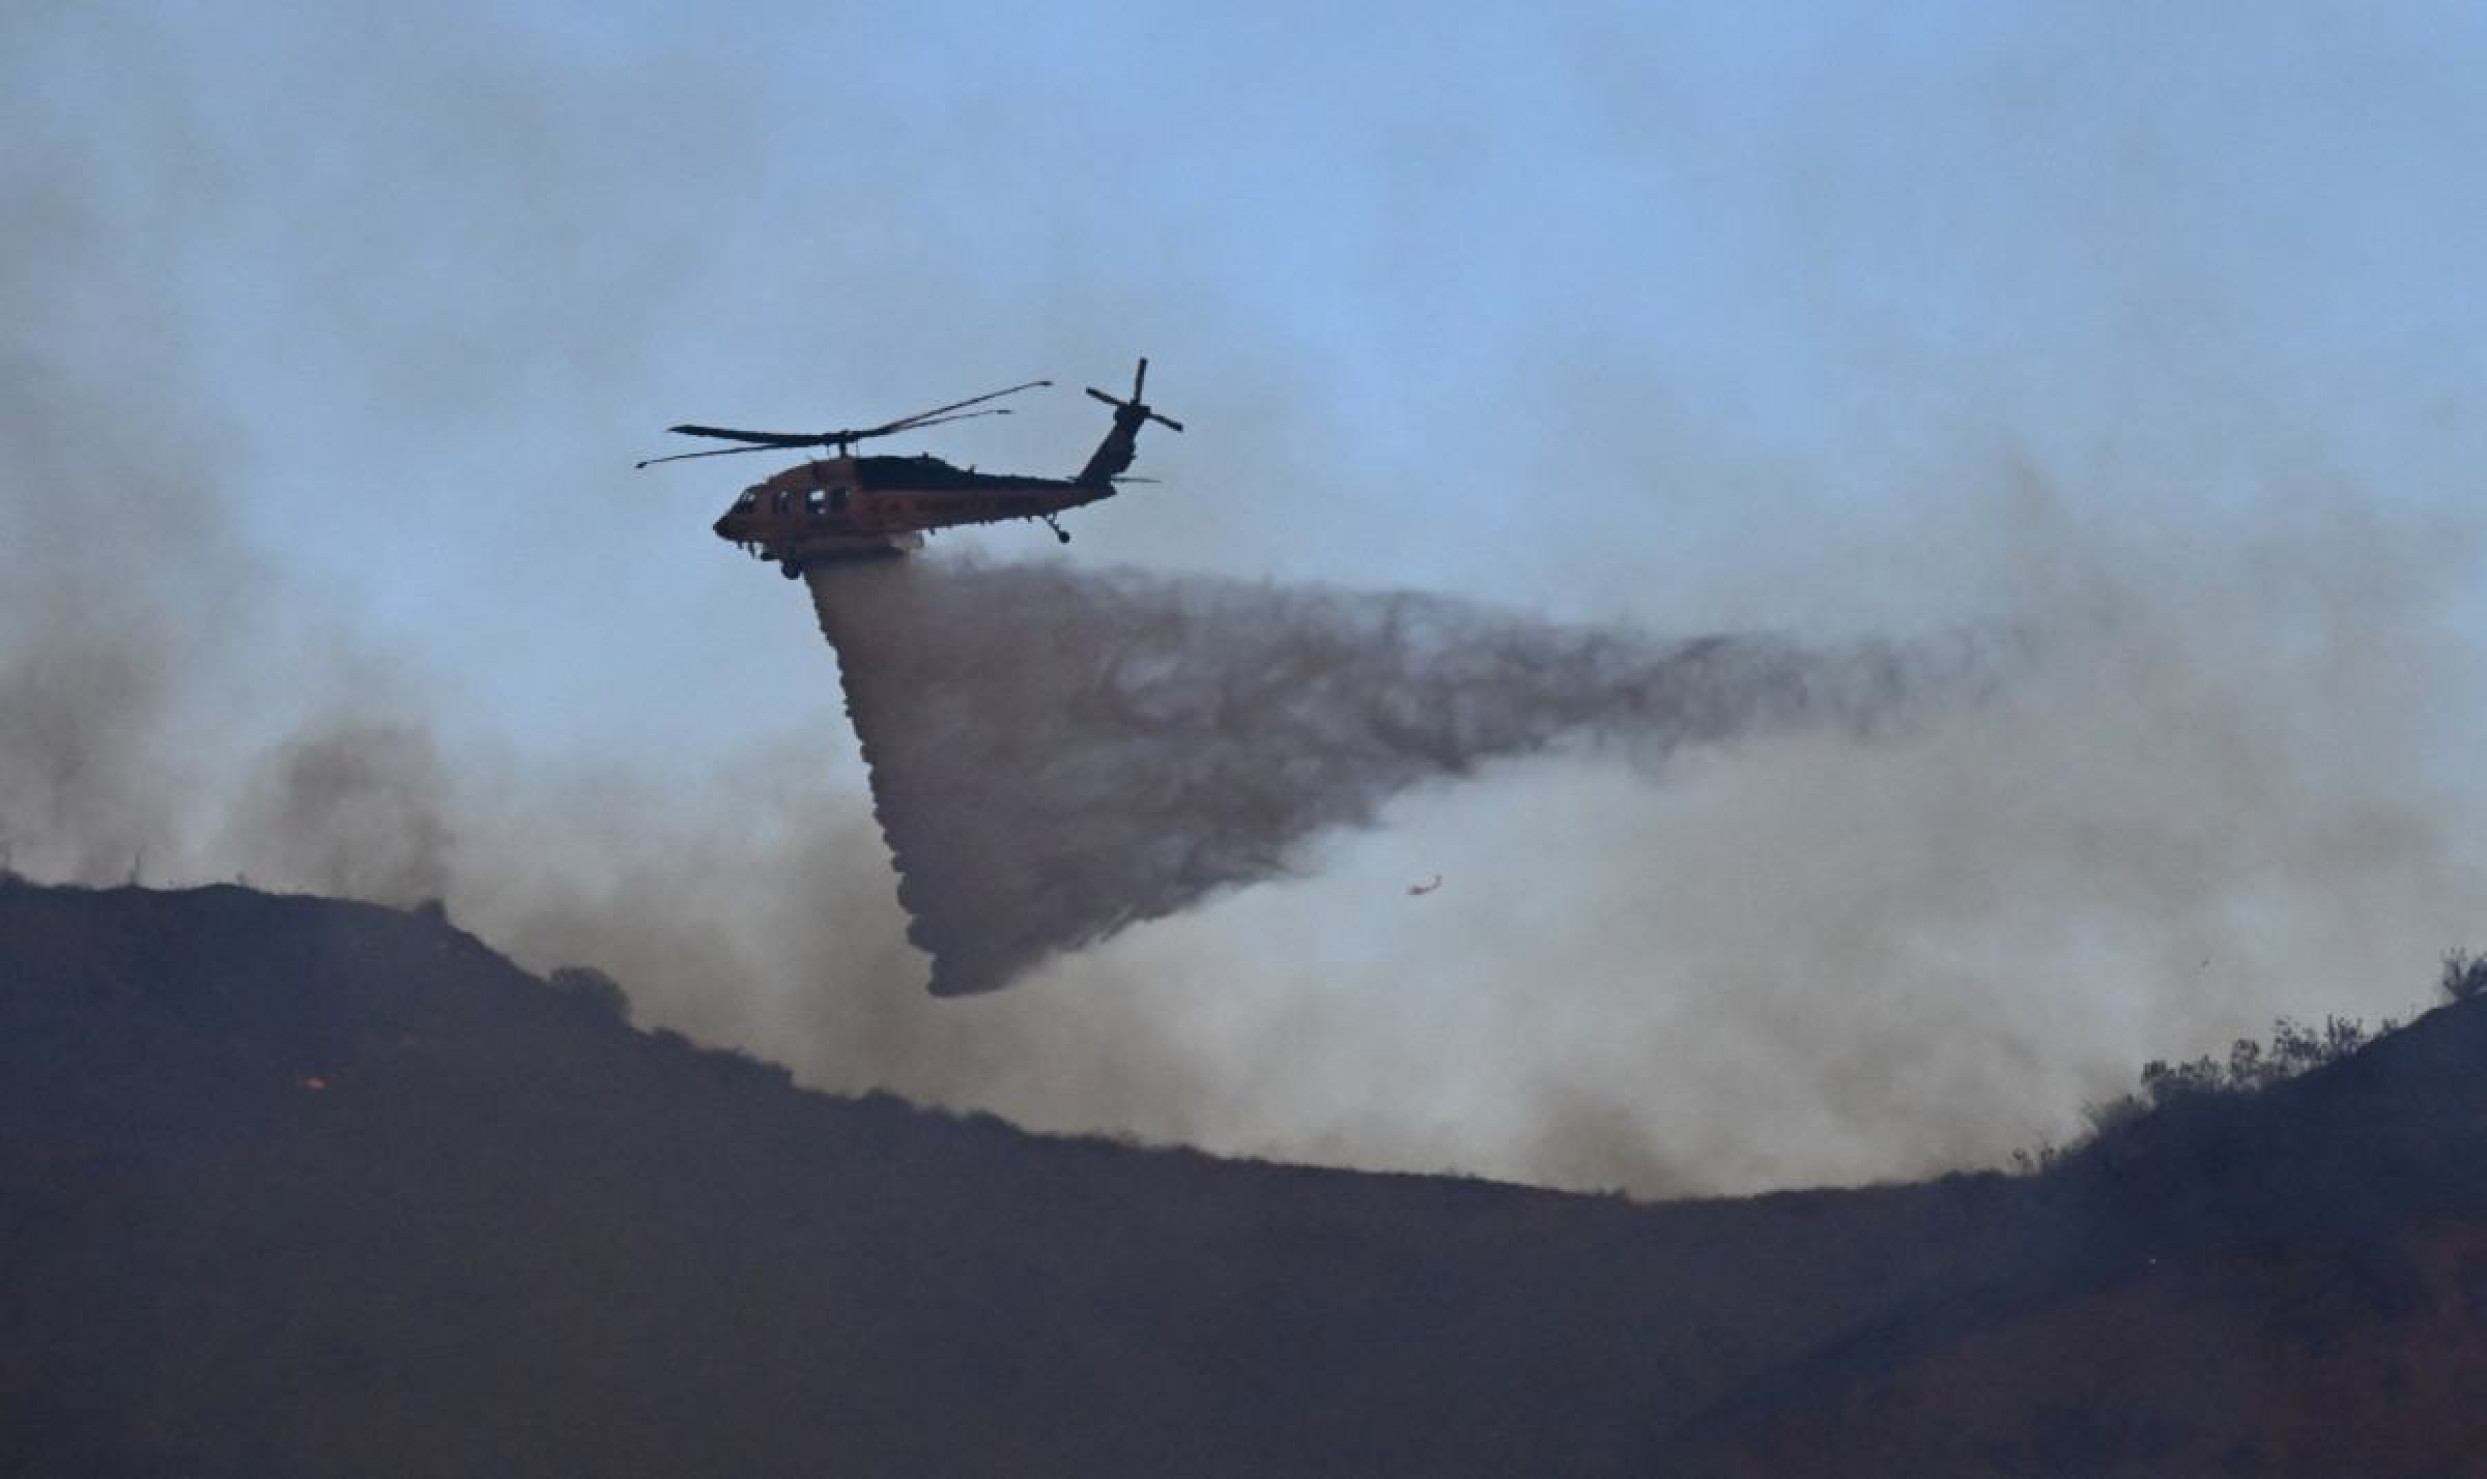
(593, 988)
(2465, 975)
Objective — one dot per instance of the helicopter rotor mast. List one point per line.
(840, 442)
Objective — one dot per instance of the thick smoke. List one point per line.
(1057, 755)
(108, 479)
(355, 805)
(2213, 782)
(2228, 774)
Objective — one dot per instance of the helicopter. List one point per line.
(846, 507)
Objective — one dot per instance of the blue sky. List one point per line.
(1638, 310)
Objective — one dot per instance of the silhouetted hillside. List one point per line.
(293, 1186)
(2292, 1281)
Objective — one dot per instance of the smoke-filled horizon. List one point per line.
(1917, 928)
(2146, 336)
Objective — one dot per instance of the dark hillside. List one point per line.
(2292, 1281)
(510, 1234)
(293, 1186)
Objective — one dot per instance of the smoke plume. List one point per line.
(318, 564)
(1058, 755)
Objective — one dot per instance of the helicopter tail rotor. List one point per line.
(1122, 443)
(1139, 383)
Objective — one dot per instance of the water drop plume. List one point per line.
(1057, 754)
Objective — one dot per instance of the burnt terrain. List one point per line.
(297, 1186)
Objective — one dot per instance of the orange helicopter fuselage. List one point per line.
(835, 508)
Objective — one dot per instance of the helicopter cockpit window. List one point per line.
(751, 496)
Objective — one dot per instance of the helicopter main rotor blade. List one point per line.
(718, 452)
(933, 417)
(1101, 395)
(781, 441)
(764, 438)
(944, 420)
(1166, 421)
(904, 423)
(1140, 380)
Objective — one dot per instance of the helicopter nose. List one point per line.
(720, 526)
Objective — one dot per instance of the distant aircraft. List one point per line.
(1419, 890)
(844, 507)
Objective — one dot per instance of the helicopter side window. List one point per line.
(816, 502)
(778, 501)
(837, 500)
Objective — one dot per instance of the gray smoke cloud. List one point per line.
(2226, 773)
(2208, 790)
(105, 460)
(2214, 783)
(360, 805)
(1057, 755)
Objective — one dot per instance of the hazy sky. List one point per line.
(1820, 318)
(1674, 310)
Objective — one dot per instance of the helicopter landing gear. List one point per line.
(791, 569)
(1057, 528)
